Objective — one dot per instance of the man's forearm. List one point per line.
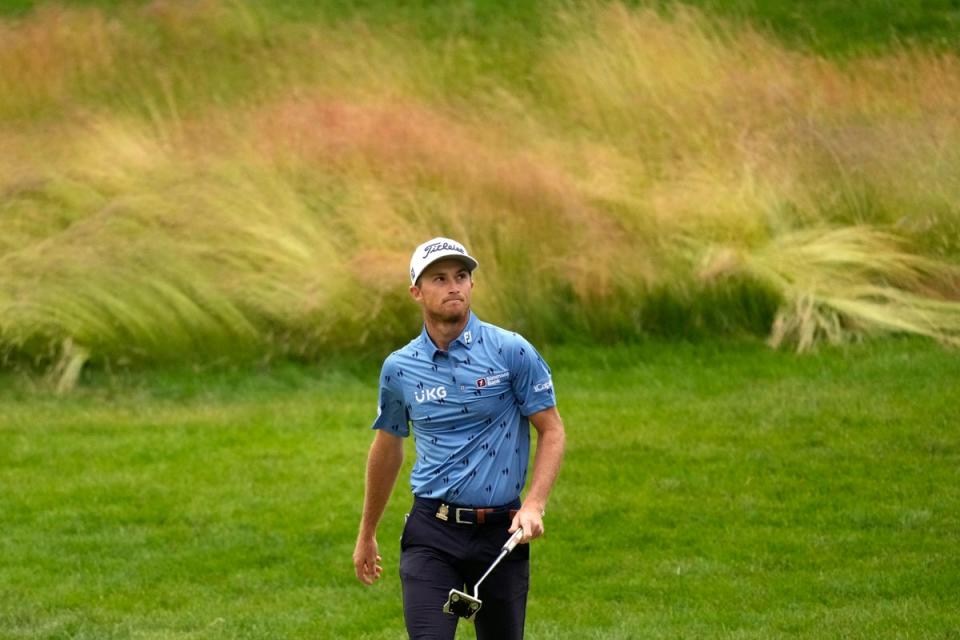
(551, 441)
(383, 466)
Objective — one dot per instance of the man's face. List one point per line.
(444, 290)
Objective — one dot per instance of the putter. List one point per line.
(463, 604)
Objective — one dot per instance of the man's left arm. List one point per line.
(551, 439)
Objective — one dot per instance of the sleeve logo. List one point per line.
(543, 386)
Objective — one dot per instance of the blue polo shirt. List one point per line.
(468, 408)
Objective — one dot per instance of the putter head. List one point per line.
(461, 604)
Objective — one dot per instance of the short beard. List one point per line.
(450, 318)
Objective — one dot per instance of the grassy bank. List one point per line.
(710, 491)
(618, 171)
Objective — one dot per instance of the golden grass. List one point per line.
(41, 57)
(840, 283)
(265, 199)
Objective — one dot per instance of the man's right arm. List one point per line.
(383, 466)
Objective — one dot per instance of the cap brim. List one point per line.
(467, 261)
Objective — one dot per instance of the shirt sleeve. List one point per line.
(391, 411)
(530, 378)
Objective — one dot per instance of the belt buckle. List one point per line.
(457, 516)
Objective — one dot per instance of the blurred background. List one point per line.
(242, 181)
(731, 227)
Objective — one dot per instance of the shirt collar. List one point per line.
(467, 338)
(470, 333)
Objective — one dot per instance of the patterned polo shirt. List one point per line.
(468, 409)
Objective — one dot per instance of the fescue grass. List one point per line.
(220, 180)
(710, 490)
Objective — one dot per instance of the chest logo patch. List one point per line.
(436, 393)
(495, 379)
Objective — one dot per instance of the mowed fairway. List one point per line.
(710, 491)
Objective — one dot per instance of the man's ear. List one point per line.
(415, 292)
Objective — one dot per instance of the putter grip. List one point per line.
(512, 542)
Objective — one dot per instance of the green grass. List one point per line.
(714, 490)
(827, 26)
(842, 27)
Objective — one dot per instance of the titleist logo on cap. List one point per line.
(442, 246)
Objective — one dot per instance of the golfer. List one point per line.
(469, 390)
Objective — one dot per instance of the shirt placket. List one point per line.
(453, 369)
(445, 367)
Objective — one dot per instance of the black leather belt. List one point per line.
(456, 514)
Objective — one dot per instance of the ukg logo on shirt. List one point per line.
(436, 393)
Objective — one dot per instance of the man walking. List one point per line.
(469, 390)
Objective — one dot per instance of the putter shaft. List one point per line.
(507, 548)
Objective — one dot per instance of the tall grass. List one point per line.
(214, 181)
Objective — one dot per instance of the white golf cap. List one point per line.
(438, 249)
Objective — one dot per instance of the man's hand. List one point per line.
(383, 465)
(531, 519)
(366, 560)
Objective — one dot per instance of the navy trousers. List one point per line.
(437, 556)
